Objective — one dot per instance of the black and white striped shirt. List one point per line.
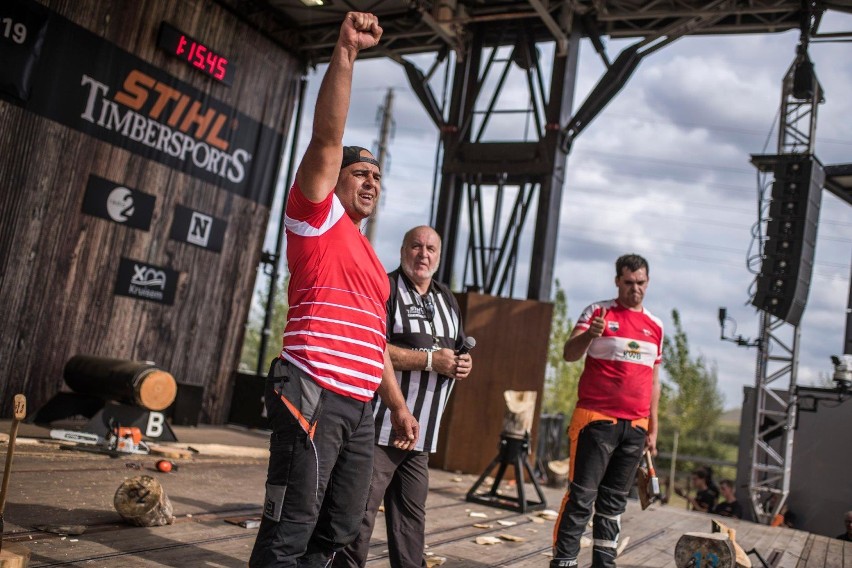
(410, 327)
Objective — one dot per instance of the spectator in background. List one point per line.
(705, 497)
(729, 507)
(847, 536)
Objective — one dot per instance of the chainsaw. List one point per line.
(120, 439)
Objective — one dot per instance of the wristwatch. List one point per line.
(428, 367)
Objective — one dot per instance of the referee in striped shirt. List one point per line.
(424, 334)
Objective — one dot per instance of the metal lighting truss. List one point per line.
(778, 347)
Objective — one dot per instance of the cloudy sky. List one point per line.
(664, 171)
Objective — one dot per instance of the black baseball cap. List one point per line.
(352, 155)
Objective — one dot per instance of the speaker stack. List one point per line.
(788, 253)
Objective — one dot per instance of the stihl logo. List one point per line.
(152, 113)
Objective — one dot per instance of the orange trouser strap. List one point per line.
(310, 429)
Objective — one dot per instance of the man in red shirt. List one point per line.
(335, 355)
(616, 415)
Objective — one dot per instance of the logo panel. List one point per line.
(145, 281)
(118, 203)
(197, 228)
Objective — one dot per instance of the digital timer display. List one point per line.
(195, 53)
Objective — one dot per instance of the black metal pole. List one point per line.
(279, 243)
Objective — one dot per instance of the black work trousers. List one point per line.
(321, 456)
(607, 456)
(401, 479)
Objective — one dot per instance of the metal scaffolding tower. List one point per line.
(778, 345)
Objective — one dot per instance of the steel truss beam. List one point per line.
(495, 185)
(775, 417)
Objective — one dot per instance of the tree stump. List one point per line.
(705, 550)
(143, 502)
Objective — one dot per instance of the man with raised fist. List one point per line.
(334, 358)
(616, 415)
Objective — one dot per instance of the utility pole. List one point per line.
(384, 136)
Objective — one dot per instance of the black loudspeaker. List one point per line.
(788, 254)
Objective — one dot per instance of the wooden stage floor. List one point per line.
(225, 480)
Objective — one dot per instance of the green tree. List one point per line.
(251, 341)
(561, 377)
(692, 402)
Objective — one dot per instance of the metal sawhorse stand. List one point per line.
(513, 451)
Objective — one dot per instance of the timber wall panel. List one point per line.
(58, 266)
(511, 353)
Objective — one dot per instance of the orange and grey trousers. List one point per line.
(605, 452)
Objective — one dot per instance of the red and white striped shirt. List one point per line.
(336, 324)
(618, 375)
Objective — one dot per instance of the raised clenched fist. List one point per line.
(360, 31)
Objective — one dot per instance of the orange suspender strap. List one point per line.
(310, 429)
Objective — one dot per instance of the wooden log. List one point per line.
(705, 550)
(143, 502)
(520, 409)
(14, 555)
(134, 382)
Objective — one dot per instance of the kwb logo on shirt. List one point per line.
(633, 351)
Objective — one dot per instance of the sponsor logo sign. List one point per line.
(197, 228)
(118, 203)
(145, 281)
(87, 83)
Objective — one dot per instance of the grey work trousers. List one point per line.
(321, 452)
(401, 478)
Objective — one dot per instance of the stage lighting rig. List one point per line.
(808, 398)
(738, 339)
(842, 372)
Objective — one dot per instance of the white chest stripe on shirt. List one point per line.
(340, 322)
(341, 306)
(341, 354)
(327, 380)
(624, 349)
(336, 338)
(305, 229)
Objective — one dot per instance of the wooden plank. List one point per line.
(816, 547)
(792, 549)
(140, 546)
(834, 553)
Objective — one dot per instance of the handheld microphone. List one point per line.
(469, 343)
